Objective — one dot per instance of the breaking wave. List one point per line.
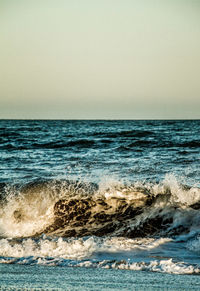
(163, 266)
(78, 252)
(79, 209)
(71, 254)
(74, 248)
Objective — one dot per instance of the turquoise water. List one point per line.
(15, 277)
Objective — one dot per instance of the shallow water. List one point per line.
(13, 277)
(100, 197)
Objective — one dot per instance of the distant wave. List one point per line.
(81, 143)
(123, 133)
(140, 144)
(120, 140)
(88, 143)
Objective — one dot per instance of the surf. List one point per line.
(67, 208)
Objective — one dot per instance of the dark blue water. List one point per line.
(124, 149)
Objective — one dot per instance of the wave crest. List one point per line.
(77, 209)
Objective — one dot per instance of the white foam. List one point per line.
(80, 252)
(70, 249)
(170, 188)
(25, 215)
(74, 248)
(162, 266)
(116, 244)
(178, 194)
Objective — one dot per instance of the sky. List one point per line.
(100, 59)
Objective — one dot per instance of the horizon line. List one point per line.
(102, 119)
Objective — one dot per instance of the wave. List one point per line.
(161, 266)
(127, 140)
(74, 248)
(80, 252)
(160, 144)
(20, 145)
(76, 209)
(124, 133)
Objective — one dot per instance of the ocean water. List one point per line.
(100, 205)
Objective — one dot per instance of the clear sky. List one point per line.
(100, 59)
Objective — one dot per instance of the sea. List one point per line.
(99, 205)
